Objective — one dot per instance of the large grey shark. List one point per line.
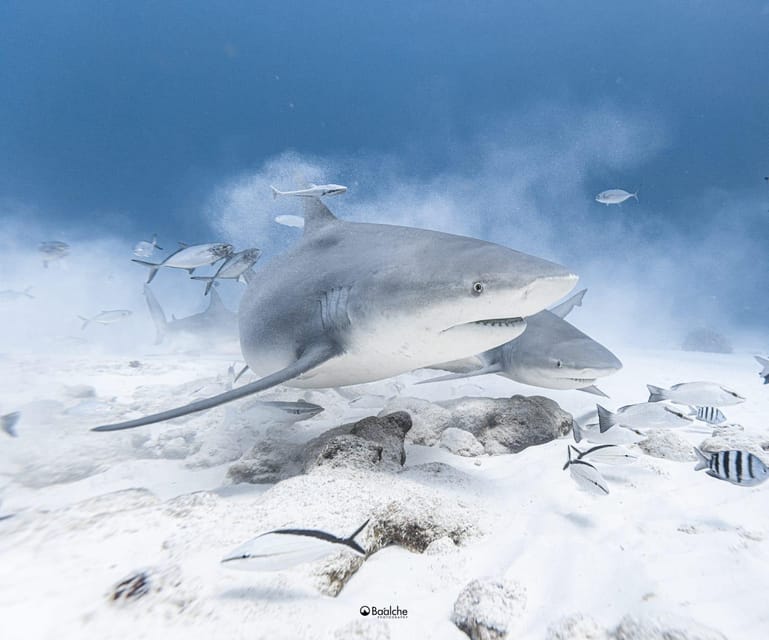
(216, 321)
(551, 353)
(357, 302)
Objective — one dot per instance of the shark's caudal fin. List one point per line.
(594, 390)
(492, 368)
(656, 394)
(9, 421)
(350, 540)
(564, 309)
(86, 322)
(311, 358)
(152, 266)
(606, 419)
(156, 311)
(703, 461)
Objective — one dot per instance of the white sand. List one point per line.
(666, 540)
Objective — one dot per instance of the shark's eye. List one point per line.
(477, 288)
(558, 364)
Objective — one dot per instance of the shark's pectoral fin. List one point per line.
(311, 358)
(594, 390)
(493, 368)
(562, 310)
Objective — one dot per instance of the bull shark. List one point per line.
(216, 321)
(551, 353)
(356, 302)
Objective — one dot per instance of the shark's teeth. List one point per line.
(500, 322)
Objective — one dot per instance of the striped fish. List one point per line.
(737, 467)
(711, 415)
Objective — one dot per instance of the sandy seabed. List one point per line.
(92, 508)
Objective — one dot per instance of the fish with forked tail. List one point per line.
(232, 268)
(696, 394)
(284, 548)
(189, 258)
(586, 475)
(738, 467)
(106, 317)
(642, 416)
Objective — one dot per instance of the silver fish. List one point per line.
(284, 548)
(189, 258)
(696, 394)
(314, 190)
(144, 249)
(611, 454)
(586, 476)
(53, 250)
(106, 317)
(232, 268)
(12, 294)
(645, 415)
(615, 196)
(737, 467)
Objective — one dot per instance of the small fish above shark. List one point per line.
(189, 258)
(551, 353)
(313, 191)
(233, 268)
(285, 548)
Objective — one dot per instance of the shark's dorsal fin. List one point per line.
(316, 215)
(562, 310)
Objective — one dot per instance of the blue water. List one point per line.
(125, 118)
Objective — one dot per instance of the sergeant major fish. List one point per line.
(710, 415)
(737, 467)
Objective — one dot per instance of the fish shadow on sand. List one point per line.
(580, 520)
(274, 594)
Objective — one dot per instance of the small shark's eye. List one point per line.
(558, 364)
(477, 288)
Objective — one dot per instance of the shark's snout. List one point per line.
(545, 290)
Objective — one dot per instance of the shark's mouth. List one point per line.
(507, 323)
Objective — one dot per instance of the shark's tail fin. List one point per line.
(156, 311)
(152, 266)
(350, 540)
(703, 461)
(606, 419)
(656, 394)
(86, 322)
(275, 193)
(9, 421)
